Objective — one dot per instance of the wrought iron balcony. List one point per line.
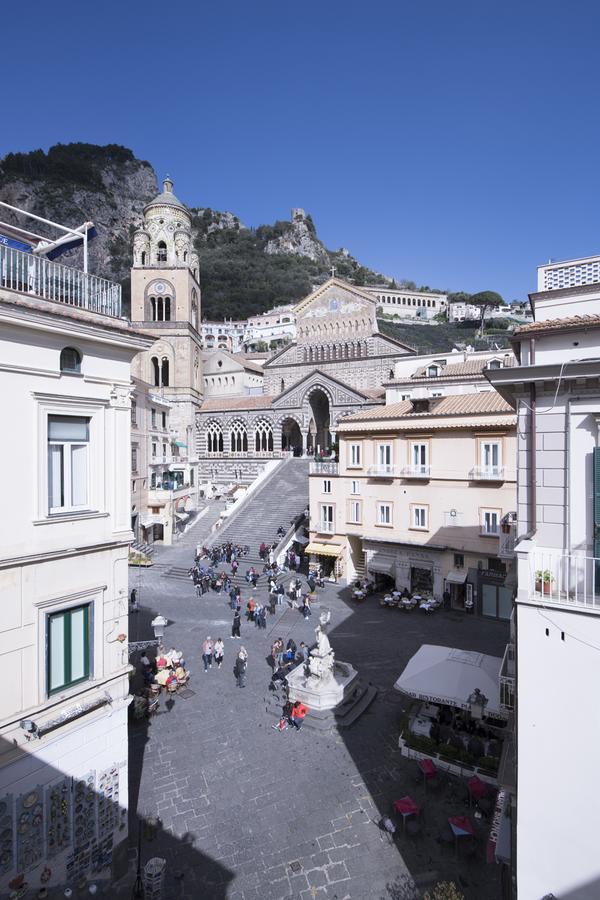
(324, 468)
(507, 678)
(554, 577)
(382, 471)
(487, 473)
(38, 277)
(416, 471)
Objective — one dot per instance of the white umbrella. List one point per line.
(449, 676)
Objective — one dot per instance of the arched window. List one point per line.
(164, 372)
(214, 437)
(155, 371)
(70, 360)
(161, 253)
(282, 388)
(167, 302)
(143, 257)
(238, 437)
(185, 255)
(263, 436)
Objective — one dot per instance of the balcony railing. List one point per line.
(550, 577)
(507, 678)
(324, 468)
(487, 473)
(382, 471)
(325, 527)
(39, 277)
(416, 471)
(508, 536)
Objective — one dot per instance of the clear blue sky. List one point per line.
(456, 144)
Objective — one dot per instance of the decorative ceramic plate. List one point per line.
(30, 800)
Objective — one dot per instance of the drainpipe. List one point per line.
(532, 447)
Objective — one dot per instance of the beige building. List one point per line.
(228, 375)
(422, 495)
(437, 375)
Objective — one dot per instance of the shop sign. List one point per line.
(495, 827)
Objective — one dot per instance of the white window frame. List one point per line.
(385, 455)
(95, 411)
(486, 514)
(419, 516)
(482, 453)
(418, 446)
(385, 520)
(326, 486)
(70, 450)
(327, 520)
(355, 456)
(355, 486)
(355, 512)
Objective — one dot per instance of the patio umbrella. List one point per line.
(477, 788)
(406, 806)
(461, 826)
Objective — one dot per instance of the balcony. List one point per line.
(324, 468)
(508, 536)
(37, 276)
(555, 578)
(487, 473)
(416, 472)
(507, 678)
(159, 460)
(384, 471)
(325, 528)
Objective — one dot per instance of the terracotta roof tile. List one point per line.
(251, 401)
(456, 370)
(587, 321)
(454, 405)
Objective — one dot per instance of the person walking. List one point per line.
(235, 627)
(233, 598)
(241, 664)
(298, 714)
(219, 652)
(207, 653)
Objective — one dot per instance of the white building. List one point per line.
(408, 304)
(64, 543)
(273, 328)
(437, 375)
(226, 335)
(556, 392)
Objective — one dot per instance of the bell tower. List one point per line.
(165, 299)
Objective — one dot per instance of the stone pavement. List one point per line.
(248, 813)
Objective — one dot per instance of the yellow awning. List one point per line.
(323, 549)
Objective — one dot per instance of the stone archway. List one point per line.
(291, 436)
(319, 437)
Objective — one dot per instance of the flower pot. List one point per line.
(543, 587)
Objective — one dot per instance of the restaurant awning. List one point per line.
(456, 576)
(449, 676)
(179, 444)
(323, 549)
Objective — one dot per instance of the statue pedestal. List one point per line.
(322, 693)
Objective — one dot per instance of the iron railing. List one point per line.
(507, 678)
(558, 577)
(487, 473)
(324, 468)
(382, 471)
(421, 471)
(36, 275)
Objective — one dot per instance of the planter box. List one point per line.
(455, 768)
(543, 587)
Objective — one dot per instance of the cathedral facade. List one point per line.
(336, 366)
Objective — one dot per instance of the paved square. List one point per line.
(250, 813)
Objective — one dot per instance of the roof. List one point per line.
(587, 321)
(247, 363)
(166, 198)
(469, 368)
(251, 401)
(453, 405)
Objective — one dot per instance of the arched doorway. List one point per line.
(291, 437)
(318, 429)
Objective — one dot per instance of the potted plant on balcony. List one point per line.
(543, 581)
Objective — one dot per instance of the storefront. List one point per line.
(496, 590)
(327, 556)
(460, 590)
(421, 579)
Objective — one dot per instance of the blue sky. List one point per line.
(455, 144)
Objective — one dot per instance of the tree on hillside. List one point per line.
(485, 300)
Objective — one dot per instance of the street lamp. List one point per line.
(158, 626)
(477, 703)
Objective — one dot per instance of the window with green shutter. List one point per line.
(68, 648)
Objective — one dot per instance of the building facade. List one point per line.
(166, 303)
(335, 367)
(66, 383)
(555, 390)
(408, 304)
(451, 373)
(226, 335)
(226, 375)
(420, 495)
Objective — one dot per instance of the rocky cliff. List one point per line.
(243, 271)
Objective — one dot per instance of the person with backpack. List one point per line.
(235, 627)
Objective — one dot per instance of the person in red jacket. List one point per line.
(298, 714)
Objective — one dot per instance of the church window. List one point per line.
(143, 257)
(164, 372)
(214, 437)
(155, 371)
(238, 437)
(167, 308)
(263, 436)
(282, 384)
(185, 255)
(161, 253)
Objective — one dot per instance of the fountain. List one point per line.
(323, 683)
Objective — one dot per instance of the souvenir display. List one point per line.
(7, 848)
(84, 812)
(108, 802)
(58, 817)
(30, 828)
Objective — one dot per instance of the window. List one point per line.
(355, 456)
(133, 412)
(164, 453)
(154, 448)
(459, 560)
(491, 456)
(263, 436)
(490, 522)
(384, 514)
(355, 512)
(433, 371)
(68, 451)
(326, 524)
(420, 517)
(70, 360)
(238, 437)
(161, 254)
(384, 455)
(155, 371)
(134, 459)
(164, 372)
(68, 643)
(326, 485)
(163, 419)
(355, 487)
(153, 481)
(214, 437)
(153, 417)
(191, 478)
(494, 364)
(420, 456)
